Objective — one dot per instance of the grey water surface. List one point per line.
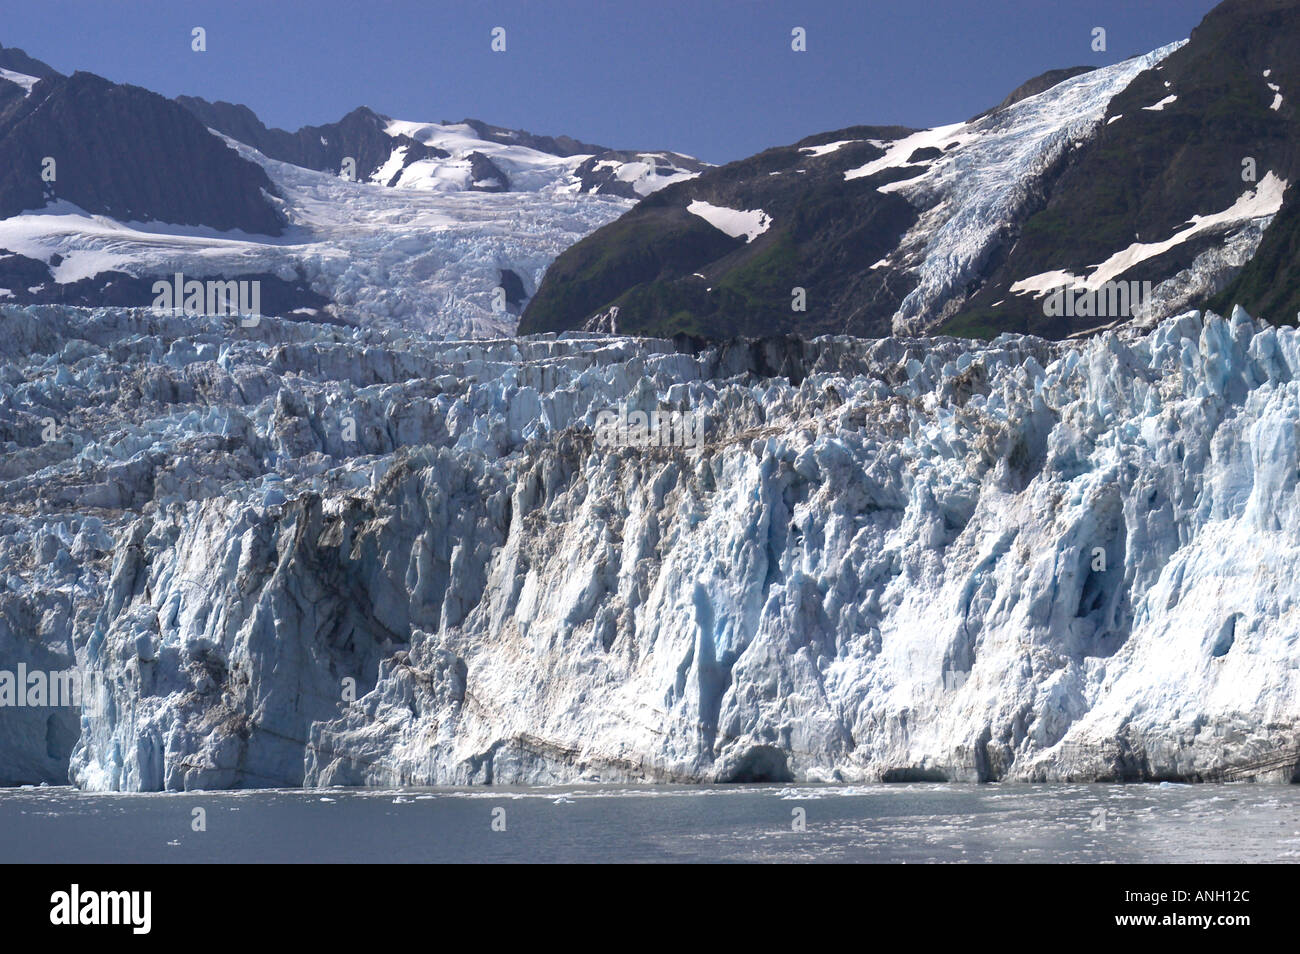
(845, 823)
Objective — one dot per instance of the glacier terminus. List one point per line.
(298, 554)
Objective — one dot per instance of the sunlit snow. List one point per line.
(749, 223)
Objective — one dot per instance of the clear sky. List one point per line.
(712, 78)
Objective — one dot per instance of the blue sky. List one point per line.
(716, 80)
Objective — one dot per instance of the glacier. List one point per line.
(307, 555)
(426, 256)
(992, 171)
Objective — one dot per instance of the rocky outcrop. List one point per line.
(127, 153)
(358, 136)
(486, 175)
(17, 61)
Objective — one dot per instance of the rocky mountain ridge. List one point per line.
(1165, 169)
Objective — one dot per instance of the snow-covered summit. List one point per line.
(525, 168)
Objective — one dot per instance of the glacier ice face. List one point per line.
(991, 171)
(301, 554)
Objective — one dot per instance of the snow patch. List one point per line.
(1045, 283)
(22, 79)
(827, 148)
(898, 151)
(750, 223)
(1277, 96)
(1262, 201)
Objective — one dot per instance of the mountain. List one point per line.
(146, 188)
(359, 135)
(1078, 180)
(702, 257)
(15, 61)
(384, 150)
(127, 153)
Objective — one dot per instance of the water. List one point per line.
(877, 823)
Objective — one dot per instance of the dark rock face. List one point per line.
(237, 122)
(486, 175)
(19, 275)
(10, 94)
(359, 136)
(1140, 177)
(513, 285)
(125, 152)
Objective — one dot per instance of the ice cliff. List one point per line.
(310, 555)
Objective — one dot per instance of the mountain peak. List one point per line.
(129, 153)
(14, 59)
